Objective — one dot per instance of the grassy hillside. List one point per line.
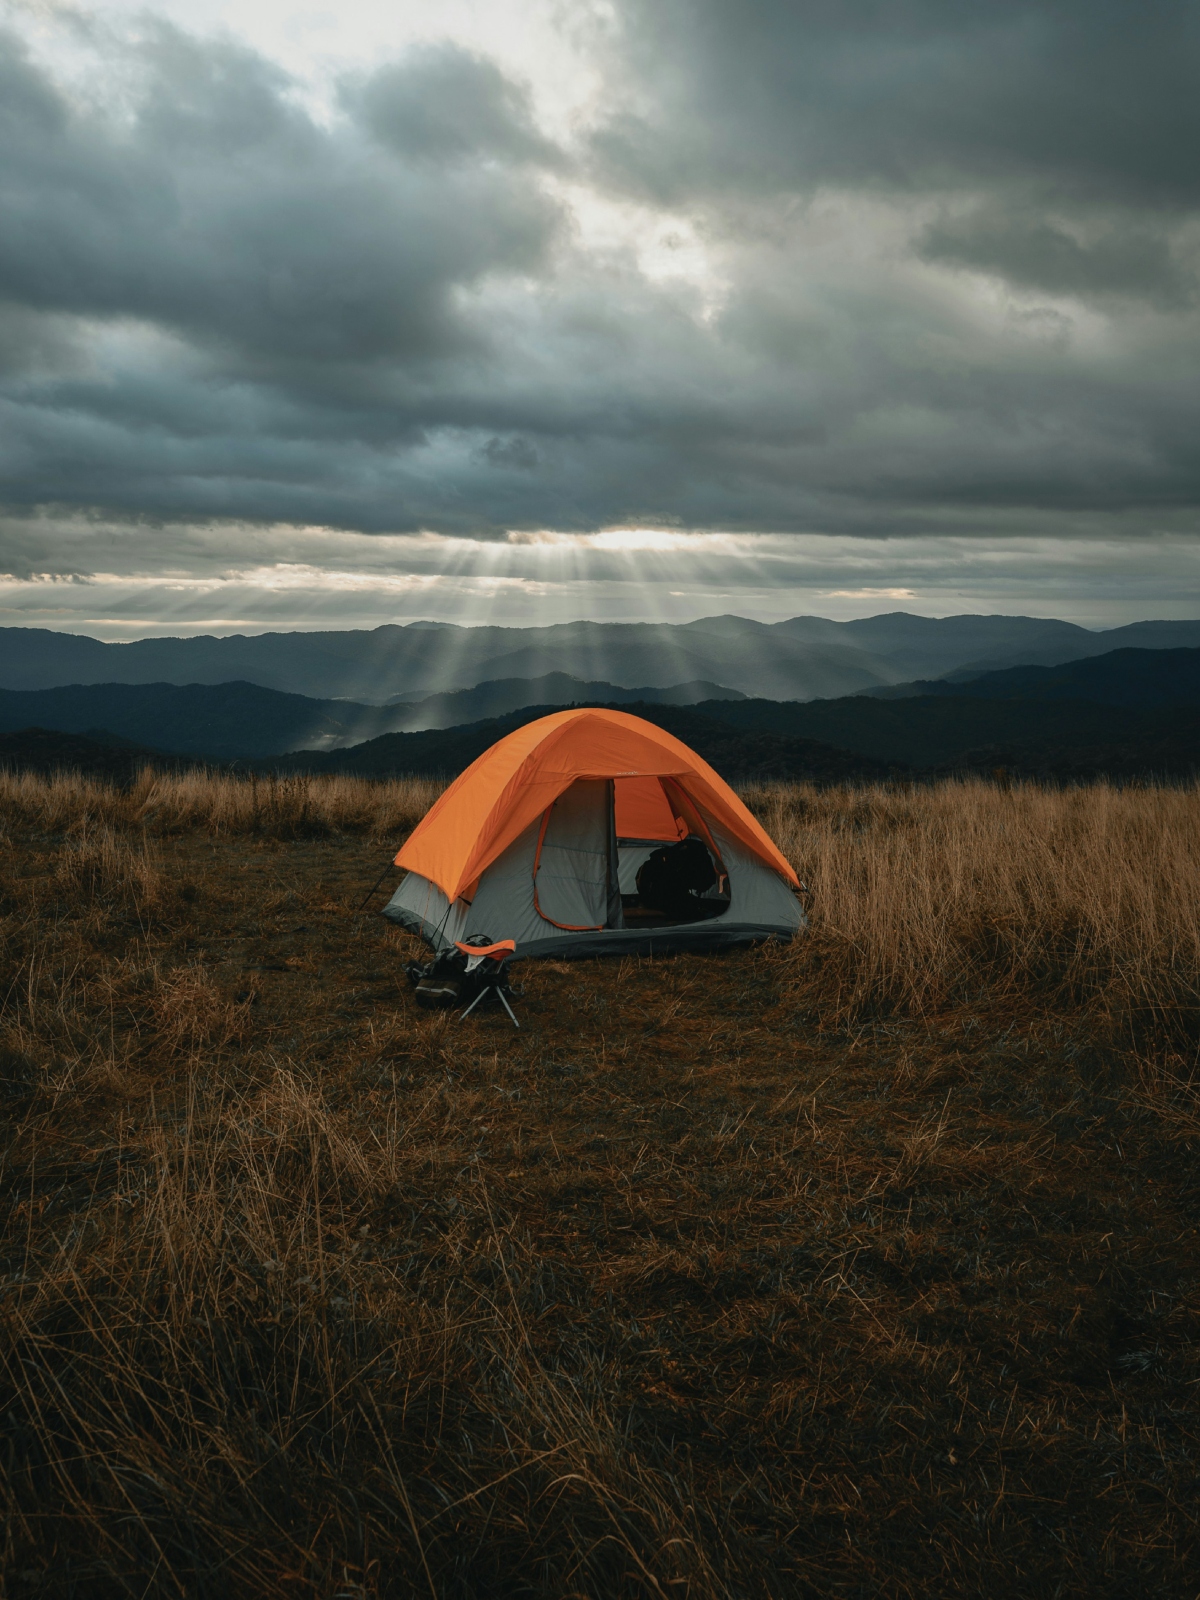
(865, 1266)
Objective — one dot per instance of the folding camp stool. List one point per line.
(492, 957)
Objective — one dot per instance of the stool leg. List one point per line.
(474, 1003)
(508, 1008)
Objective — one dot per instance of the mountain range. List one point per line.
(852, 739)
(804, 658)
(244, 721)
(1127, 711)
(1120, 678)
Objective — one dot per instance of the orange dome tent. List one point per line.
(541, 838)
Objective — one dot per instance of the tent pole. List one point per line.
(614, 915)
(375, 885)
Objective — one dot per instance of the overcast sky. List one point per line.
(525, 310)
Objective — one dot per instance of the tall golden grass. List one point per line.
(680, 1290)
(217, 804)
(926, 898)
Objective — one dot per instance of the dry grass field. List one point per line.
(865, 1267)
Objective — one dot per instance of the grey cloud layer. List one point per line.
(225, 215)
(954, 259)
(1077, 99)
(1060, 136)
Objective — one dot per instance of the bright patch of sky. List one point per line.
(608, 576)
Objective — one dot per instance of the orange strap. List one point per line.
(567, 927)
(506, 947)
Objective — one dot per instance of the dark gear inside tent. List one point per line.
(593, 832)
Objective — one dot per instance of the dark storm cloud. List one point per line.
(216, 305)
(1074, 123)
(1109, 257)
(1086, 99)
(953, 275)
(224, 214)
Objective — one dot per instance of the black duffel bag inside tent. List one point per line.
(672, 879)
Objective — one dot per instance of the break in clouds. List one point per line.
(886, 273)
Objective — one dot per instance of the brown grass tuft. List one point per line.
(190, 1011)
(96, 865)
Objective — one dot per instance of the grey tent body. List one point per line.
(556, 890)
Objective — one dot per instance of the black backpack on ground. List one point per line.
(672, 878)
(440, 982)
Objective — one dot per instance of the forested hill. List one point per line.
(1044, 738)
(735, 753)
(1117, 678)
(849, 740)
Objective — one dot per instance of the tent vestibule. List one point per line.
(541, 839)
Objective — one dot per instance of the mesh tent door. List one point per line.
(573, 863)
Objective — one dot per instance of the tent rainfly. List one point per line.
(541, 839)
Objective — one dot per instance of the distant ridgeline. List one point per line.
(1127, 713)
(803, 658)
